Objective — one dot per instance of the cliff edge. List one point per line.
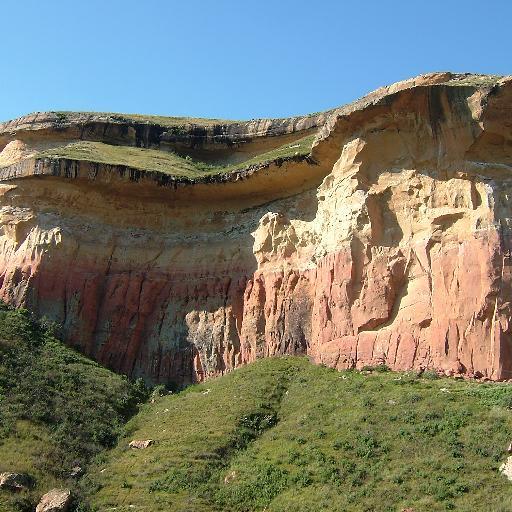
(177, 249)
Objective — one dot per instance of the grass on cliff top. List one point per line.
(58, 409)
(475, 80)
(166, 162)
(283, 434)
(166, 121)
(170, 121)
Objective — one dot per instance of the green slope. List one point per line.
(285, 435)
(57, 408)
(167, 162)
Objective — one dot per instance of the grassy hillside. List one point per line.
(165, 162)
(277, 435)
(57, 408)
(285, 435)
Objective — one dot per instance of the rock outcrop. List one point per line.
(137, 444)
(506, 468)
(15, 481)
(390, 243)
(56, 500)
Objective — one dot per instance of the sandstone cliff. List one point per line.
(388, 243)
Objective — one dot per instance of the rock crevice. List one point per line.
(393, 247)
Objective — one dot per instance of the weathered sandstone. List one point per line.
(140, 444)
(389, 244)
(56, 500)
(506, 468)
(14, 481)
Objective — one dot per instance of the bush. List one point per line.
(430, 374)
(380, 368)
(82, 405)
(257, 490)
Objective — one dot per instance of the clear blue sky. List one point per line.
(235, 59)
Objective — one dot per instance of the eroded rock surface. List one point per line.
(14, 481)
(140, 444)
(56, 500)
(391, 244)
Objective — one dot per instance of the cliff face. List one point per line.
(389, 244)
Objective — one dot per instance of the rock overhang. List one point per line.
(384, 243)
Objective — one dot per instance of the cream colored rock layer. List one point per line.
(396, 251)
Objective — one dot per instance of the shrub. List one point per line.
(380, 368)
(83, 405)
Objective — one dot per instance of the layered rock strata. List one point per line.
(389, 244)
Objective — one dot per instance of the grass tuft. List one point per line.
(282, 434)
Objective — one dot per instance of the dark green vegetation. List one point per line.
(167, 162)
(57, 408)
(284, 435)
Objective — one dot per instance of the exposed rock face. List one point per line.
(391, 244)
(140, 444)
(14, 481)
(56, 500)
(506, 468)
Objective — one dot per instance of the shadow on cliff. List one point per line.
(175, 328)
(201, 323)
(446, 121)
